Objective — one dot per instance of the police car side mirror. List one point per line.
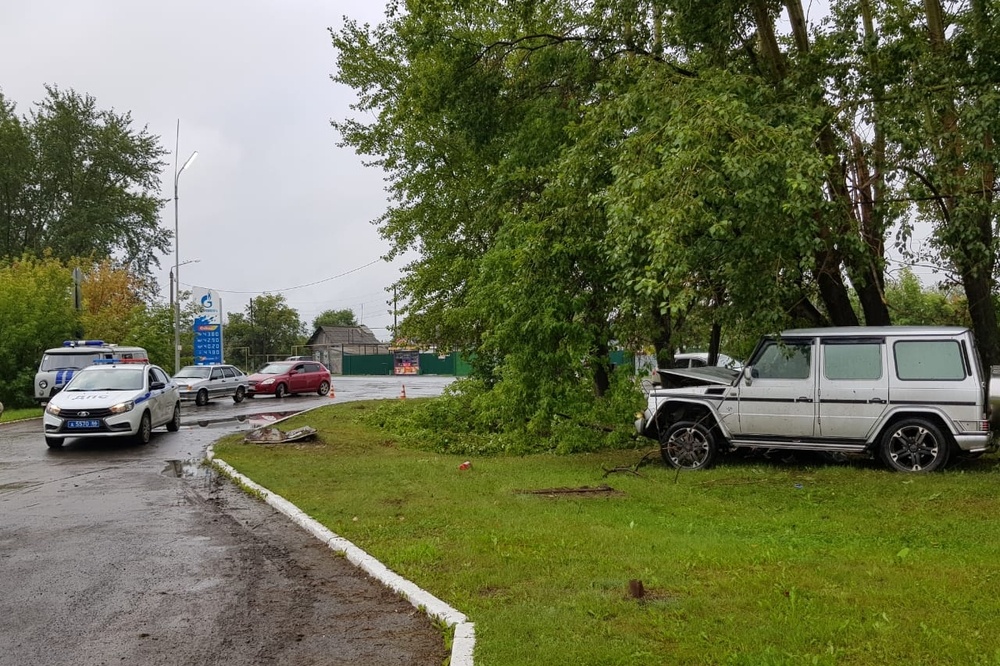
(157, 386)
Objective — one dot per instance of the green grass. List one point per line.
(18, 414)
(752, 562)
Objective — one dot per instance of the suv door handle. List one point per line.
(803, 398)
(879, 401)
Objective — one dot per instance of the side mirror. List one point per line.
(748, 375)
(157, 386)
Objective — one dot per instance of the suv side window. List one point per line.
(856, 360)
(929, 360)
(790, 360)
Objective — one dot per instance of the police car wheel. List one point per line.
(174, 424)
(54, 442)
(145, 432)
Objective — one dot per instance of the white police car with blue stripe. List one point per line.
(113, 399)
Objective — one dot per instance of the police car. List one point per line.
(113, 399)
(59, 364)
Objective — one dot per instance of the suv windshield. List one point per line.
(108, 379)
(194, 372)
(71, 361)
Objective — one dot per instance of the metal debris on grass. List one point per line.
(269, 435)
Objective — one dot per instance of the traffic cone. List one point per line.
(331, 394)
(402, 392)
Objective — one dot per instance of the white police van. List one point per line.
(59, 364)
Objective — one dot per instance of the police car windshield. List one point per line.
(108, 379)
(71, 361)
(194, 372)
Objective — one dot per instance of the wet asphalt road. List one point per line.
(115, 553)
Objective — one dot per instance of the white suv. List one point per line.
(113, 400)
(911, 395)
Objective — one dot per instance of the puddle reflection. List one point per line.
(253, 420)
(192, 468)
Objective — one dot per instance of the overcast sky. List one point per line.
(271, 202)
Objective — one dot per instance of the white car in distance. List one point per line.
(113, 399)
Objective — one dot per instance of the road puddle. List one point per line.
(192, 468)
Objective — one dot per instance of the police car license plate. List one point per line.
(89, 423)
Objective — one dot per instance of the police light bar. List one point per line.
(83, 343)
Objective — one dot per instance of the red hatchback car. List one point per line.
(282, 378)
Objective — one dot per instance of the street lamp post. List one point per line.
(177, 252)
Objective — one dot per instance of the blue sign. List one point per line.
(207, 343)
(207, 327)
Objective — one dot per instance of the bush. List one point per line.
(470, 419)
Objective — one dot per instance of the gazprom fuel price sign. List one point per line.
(207, 327)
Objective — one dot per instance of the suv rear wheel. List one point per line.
(688, 445)
(914, 445)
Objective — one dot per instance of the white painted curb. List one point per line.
(464, 641)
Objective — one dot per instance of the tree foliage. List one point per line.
(335, 318)
(36, 312)
(267, 328)
(79, 181)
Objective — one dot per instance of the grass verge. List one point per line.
(19, 414)
(753, 562)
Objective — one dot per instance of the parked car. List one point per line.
(202, 383)
(299, 358)
(282, 378)
(700, 360)
(912, 396)
(113, 399)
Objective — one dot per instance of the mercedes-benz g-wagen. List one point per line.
(912, 396)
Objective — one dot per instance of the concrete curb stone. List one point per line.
(464, 642)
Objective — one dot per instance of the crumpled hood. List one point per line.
(684, 377)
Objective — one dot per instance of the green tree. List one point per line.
(335, 318)
(79, 181)
(268, 327)
(36, 312)
(913, 304)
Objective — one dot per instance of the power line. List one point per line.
(298, 286)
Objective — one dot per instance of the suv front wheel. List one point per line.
(914, 445)
(688, 445)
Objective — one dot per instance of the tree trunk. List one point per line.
(602, 366)
(662, 345)
(979, 292)
(714, 341)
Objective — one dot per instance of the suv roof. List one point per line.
(855, 331)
